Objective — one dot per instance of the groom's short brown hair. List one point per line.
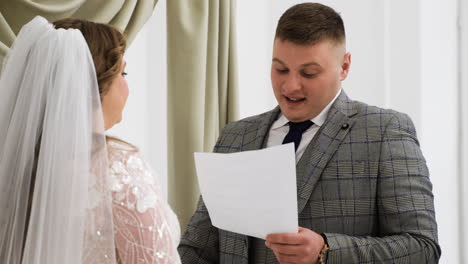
(309, 24)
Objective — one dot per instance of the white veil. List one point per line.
(55, 206)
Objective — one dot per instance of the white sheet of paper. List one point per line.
(252, 192)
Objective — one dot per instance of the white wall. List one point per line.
(439, 128)
(404, 56)
(463, 135)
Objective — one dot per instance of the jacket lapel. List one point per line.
(322, 147)
(255, 136)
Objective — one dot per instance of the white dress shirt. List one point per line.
(280, 129)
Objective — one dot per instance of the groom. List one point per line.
(364, 194)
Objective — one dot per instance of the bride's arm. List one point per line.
(147, 231)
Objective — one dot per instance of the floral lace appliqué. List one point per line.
(147, 230)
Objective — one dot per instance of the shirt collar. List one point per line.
(318, 120)
(280, 122)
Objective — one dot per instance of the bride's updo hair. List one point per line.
(107, 45)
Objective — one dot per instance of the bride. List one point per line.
(69, 194)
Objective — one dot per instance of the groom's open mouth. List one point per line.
(294, 100)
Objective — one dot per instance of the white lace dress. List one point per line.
(147, 230)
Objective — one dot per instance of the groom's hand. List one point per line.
(301, 247)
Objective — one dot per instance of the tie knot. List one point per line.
(300, 126)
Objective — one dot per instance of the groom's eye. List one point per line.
(282, 71)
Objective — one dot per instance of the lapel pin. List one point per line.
(345, 126)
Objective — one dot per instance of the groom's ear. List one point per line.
(345, 66)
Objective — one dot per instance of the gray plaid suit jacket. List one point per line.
(362, 182)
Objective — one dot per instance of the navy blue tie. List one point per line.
(295, 132)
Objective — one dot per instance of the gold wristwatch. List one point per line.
(323, 252)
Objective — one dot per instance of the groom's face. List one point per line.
(305, 78)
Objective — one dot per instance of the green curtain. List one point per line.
(127, 15)
(202, 89)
